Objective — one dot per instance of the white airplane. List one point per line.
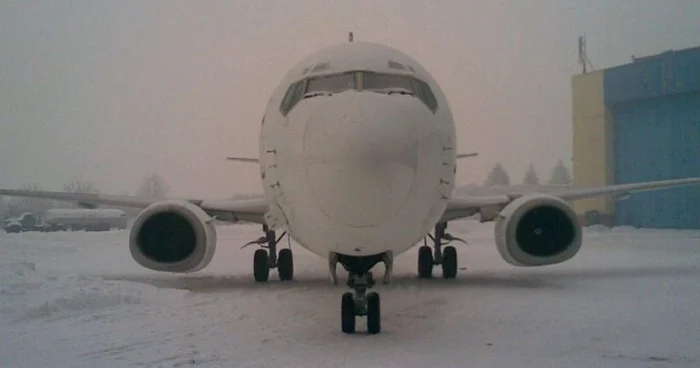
(358, 159)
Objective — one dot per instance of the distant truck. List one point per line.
(85, 219)
(26, 222)
(68, 219)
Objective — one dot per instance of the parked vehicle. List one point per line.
(86, 219)
(26, 222)
(68, 219)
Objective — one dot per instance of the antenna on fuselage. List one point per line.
(350, 37)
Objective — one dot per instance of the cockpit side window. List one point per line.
(294, 94)
(426, 95)
(331, 83)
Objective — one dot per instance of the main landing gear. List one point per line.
(360, 280)
(447, 258)
(267, 258)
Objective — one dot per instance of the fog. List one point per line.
(113, 90)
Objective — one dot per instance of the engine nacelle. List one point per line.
(537, 230)
(173, 236)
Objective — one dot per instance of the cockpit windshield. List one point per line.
(370, 81)
(332, 83)
(397, 83)
(387, 82)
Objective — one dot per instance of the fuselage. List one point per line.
(357, 151)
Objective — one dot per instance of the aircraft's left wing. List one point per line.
(251, 210)
(488, 206)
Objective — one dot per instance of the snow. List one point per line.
(76, 299)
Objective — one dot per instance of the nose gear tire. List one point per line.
(374, 315)
(347, 313)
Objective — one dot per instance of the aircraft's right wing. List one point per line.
(489, 206)
(470, 154)
(243, 159)
(251, 210)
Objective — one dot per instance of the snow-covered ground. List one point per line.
(629, 299)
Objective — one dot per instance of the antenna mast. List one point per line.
(582, 55)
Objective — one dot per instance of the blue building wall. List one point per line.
(659, 139)
(656, 108)
(672, 72)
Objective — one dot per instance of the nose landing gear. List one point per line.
(360, 302)
(267, 258)
(447, 258)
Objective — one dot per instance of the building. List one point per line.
(640, 122)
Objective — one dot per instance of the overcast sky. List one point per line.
(112, 90)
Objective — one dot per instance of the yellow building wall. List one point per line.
(593, 143)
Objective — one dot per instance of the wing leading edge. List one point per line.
(233, 210)
(244, 159)
(488, 206)
(465, 155)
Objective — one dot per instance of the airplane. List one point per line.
(357, 157)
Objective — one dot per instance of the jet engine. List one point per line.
(173, 236)
(537, 230)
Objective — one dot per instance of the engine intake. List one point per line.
(173, 236)
(537, 230)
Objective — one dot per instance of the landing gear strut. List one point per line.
(267, 258)
(360, 302)
(447, 258)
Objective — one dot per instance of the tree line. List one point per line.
(559, 175)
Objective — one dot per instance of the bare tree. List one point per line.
(497, 176)
(153, 186)
(80, 185)
(560, 174)
(531, 177)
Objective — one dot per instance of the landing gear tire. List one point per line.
(285, 265)
(261, 268)
(425, 262)
(347, 313)
(449, 263)
(374, 315)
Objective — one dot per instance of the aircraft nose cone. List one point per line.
(360, 156)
